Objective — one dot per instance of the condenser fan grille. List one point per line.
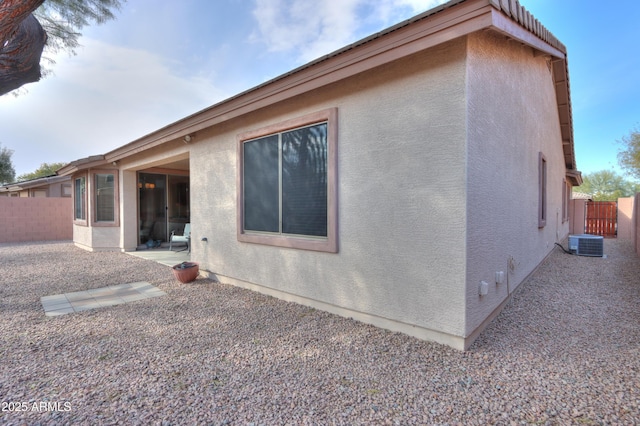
(587, 245)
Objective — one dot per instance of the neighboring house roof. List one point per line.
(581, 196)
(33, 183)
(448, 21)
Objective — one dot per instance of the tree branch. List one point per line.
(22, 40)
(20, 57)
(12, 13)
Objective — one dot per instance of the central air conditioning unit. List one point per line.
(586, 245)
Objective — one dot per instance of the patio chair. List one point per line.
(184, 238)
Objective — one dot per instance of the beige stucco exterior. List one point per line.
(441, 125)
(433, 200)
(578, 216)
(510, 95)
(401, 197)
(626, 226)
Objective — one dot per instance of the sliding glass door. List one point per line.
(163, 205)
(179, 207)
(152, 205)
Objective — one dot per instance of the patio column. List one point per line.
(128, 210)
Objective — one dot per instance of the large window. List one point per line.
(288, 179)
(104, 196)
(285, 182)
(105, 200)
(80, 200)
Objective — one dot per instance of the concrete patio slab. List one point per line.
(163, 256)
(79, 301)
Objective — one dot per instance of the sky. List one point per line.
(162, 60)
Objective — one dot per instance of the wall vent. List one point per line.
(586, 245)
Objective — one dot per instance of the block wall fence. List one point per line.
(35, 219)
(636, 223)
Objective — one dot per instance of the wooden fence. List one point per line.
(602, 218)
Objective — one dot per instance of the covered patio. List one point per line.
(124, 201)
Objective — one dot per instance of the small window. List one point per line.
(66, 190)
(288, 184)
(79, 200)
(566, 199)
(542, 190)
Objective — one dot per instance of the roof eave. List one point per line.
(511, 18)
(575, 177)
(446, 22)
(82, 164)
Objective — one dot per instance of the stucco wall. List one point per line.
(83, 236)
(35, 219)
(129, 217)
(512, 116)
(577, 216)
(401, 199)
(97, 238)
(628, 220)
(626, 227)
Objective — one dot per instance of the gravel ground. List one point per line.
(564, 351)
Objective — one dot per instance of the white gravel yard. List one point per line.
(566, 350)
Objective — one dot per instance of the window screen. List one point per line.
(285, 182)
(304, 181)
(79, 199)
(105, 198)
(261, 183)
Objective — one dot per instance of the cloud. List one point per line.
(104, 97)
(109, 95)
(307, 28)
(153, 88)
(310, 29)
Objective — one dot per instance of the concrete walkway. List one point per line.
(66, 303)
(61, 304)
